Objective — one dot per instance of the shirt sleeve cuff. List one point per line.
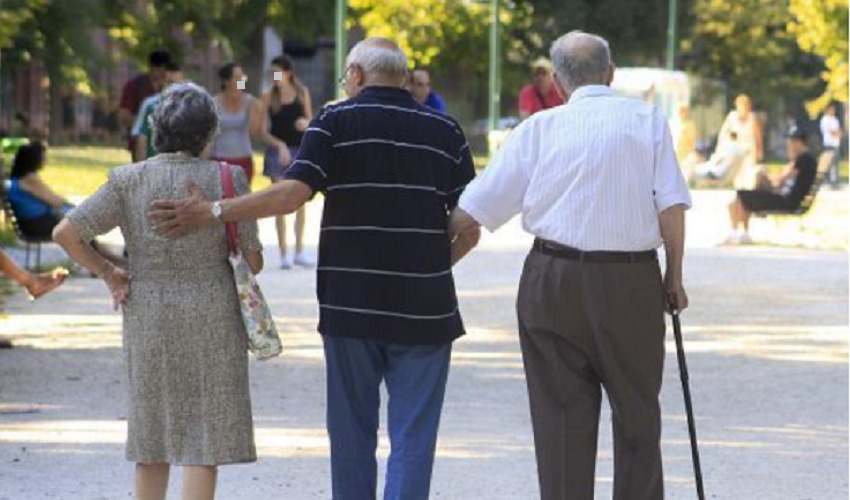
(84, 228)
(478, 214)
(665, 202)
(311, 178)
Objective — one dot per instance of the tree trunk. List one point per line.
(252, 61)
(54, 99)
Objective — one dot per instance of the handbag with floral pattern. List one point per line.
(263, 339)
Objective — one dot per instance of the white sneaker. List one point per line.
(746, 239)
(285, 262)
(734, 238)
(303, 260)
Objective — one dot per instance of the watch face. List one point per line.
(216, 209)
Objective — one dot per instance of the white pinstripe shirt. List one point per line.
(592, 174)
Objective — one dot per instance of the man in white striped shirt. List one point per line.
(598, 184)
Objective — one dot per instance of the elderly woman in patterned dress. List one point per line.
(184, 343)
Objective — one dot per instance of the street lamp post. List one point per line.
(495, 87)
(671, 35)
(341, 44)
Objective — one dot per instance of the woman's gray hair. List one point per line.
(581, 59)
(379, 56)
(186, 119)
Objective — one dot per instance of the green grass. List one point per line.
(75, 171)
(7, 236)
(79, 171)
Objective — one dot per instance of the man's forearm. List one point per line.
(461, 246)
(464, 232)
(278, 199)
(672, 221)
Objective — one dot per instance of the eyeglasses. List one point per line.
(344, 78)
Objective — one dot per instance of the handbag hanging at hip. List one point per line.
(263, 339)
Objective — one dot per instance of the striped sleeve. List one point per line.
(461, 175)
(311, 165)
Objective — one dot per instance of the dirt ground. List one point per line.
(767, 340)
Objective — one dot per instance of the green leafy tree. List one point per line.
(748, 45)
(66, 49)
(236, 25)
(636, 30)
(424, 29)
(14, 14)
(820, 27)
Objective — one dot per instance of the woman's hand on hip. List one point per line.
(118, 281)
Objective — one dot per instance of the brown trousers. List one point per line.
(584, 326)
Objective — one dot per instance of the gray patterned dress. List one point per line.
(184, 343)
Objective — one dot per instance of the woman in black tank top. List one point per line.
(290, 111)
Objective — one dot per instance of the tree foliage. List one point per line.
(820, 27)
(424, 29)
(743, 42)
(636, 30)
(15, 14)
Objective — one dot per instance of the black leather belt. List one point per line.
(564, 252)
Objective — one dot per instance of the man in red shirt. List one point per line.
(541, 93)
(139, 88)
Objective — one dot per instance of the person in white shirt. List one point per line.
(597, 182)
(830, 130)
(743, 124)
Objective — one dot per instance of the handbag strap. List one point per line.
(228, 191)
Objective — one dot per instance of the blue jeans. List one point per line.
(416, 382)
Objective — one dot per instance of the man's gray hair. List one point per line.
(379, 56)
(581, 59)
(186, 119)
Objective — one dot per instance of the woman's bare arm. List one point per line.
(117, 279)
(35, 186)
(258, 126)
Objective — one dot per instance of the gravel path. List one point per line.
(767, 338)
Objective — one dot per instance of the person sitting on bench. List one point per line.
(783, 194)
(37, 208)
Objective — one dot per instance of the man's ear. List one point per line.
(611, 68)
(360, 76)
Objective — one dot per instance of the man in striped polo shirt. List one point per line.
(392, 171)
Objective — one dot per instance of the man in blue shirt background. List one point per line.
(421, 89)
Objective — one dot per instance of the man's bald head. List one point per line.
(581, 59)
(380, 59)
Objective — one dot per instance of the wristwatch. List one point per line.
(216, 210)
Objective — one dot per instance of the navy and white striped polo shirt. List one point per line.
(391, 170)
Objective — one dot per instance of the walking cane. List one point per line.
(686, 389)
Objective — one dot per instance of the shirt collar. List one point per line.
(386, 93)
(587, 91)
